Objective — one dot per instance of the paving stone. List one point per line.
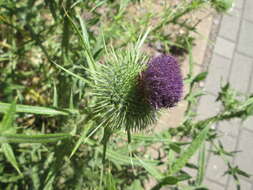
(224, 47)
(217, 73)
(251, 84)
(245, 44)
(244, 184)
(240, 61)
(244, 158)
(230, 25)
(216, 166)
(248, 123)
(213, 186)
(240, 73)
(228, 142)
(248, 14)
(208, 107)
(229, 128)
(238, 4)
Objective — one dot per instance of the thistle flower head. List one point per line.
(127, 91)
(162, 82)
(119, 101)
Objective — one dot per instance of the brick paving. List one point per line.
(232, 61)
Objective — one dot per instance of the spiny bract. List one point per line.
(119, 99)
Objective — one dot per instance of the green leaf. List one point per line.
(242, 173)
(194, 95)
(170, 180)
(125, 160)
(199, 77)
(110, 182)
(55, 99)
(52, 7)
(171, 155)
(189, 152)
(175, 147)
(81, 139)
(41, 138)
(9, 154)
(248, 102)
(136, 185)
(7, 122)
(183, 177)
(222, 5)
(191, 165)
(10, 178)
(201, 166)
(84, 40)
(153, 171)
(85, 35)
(4, 107)
(149, 139)
(71, 73)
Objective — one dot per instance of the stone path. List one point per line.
(232, 61)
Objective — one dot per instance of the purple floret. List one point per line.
(162, 82)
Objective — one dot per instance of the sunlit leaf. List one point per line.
(41, 138)
(4, 107)
(153, 171)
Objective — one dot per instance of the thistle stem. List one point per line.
(105, 139)
(128, 135)
(104, 152)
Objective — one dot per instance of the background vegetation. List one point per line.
(47, 138)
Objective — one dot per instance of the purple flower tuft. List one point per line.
(162, 82)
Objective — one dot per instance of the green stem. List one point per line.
(128, 135)
(105, 139)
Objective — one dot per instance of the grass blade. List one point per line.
(84, 40)
(71, 73)
(4, 107)
(85, 37)
(110, 182)
(8, 118)
(123, 159)
(55, 99)
(81, 139)
(41, 138)
(9, 154)
(201, 166)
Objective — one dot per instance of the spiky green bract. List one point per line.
(119, 99)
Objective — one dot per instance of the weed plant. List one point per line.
(72, 117)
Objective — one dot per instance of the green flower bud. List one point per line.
(119, 98)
